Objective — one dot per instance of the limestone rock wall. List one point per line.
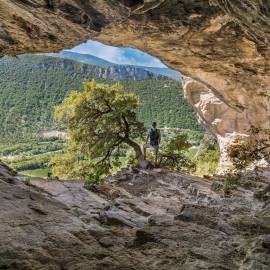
(121, 73)
(224, 122)
(221, 44)
(50, 25)
(223, 47)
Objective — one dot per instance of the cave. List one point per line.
(222, 53)
(222, 49)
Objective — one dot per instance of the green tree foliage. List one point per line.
(32, 155)
(164, 102)
(94, 178)
(207, 157)
(174, 155)
(245, 153)
(100, 120)
(31, 85)
(71, 164)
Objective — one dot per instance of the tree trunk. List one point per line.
(144, 164)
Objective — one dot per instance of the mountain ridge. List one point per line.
(31, 85)
(94, 60)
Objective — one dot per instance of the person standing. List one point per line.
(154, 136)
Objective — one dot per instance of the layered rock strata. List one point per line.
(223, 122)
(139, 220)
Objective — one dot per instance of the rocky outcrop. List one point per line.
(7, 173)
(138, 220)
(49, 25)
(222, 45)
(222, 121)
(123, 73)
(149, 220)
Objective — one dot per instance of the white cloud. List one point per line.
(118, 55)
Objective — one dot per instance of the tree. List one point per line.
(207, 156)
(99, 121)
(70, 164)
(243, 154)
(173, 156)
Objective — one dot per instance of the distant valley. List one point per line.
(31, 85)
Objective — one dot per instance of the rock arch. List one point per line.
(222, 45)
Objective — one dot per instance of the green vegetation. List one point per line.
(101, 124)
(207, 156)
(18, 155)
(31, 158)
(94, 178)
(100, 120)
(174, 157)
(27, 181)
(207, 164)
(164, 102)
(41, 173)
(231, 182)
(31, 86)
(244, 153)
(34, 147)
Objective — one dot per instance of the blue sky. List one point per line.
(117, 55)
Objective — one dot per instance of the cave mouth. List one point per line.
(33, 84)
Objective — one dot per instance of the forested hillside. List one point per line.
(30, 87)
(93, 60)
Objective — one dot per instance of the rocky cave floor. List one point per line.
(139, 220)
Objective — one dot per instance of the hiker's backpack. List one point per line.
(154, 136)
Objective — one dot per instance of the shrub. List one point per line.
(96, 177)
(27, 181)
(207, 157)
(231, 182)
(173, 156)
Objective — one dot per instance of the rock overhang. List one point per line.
(221, 45)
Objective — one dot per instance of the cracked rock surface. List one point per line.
(137, 220)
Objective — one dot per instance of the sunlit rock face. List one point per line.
(123, 73)
(223, 45)
(224, 122)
